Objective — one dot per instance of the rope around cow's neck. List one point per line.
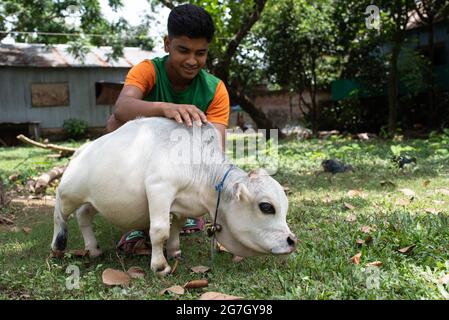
(216, 227)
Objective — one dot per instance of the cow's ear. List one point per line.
(241, 192)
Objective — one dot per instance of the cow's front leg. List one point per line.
(160, 197)
(173, 250)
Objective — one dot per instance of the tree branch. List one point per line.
(168, 3)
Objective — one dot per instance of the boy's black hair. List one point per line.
(191, 21)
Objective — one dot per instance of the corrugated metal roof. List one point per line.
(40, 55)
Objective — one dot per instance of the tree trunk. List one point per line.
(393, 88)
(431, 87)
(258, 116)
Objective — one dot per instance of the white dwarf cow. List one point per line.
(151, 167)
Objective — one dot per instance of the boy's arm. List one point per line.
(130, 105)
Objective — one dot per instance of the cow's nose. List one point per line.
(292, 240)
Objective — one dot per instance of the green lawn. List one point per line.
(320, 215)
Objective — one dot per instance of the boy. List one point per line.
(175, 86)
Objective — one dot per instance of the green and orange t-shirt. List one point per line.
(206, 92)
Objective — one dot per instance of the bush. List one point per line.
(75, 128)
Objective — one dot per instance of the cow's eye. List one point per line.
(267, 208)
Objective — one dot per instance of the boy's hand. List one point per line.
(185, 113)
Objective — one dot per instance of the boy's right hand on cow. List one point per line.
(185, 113)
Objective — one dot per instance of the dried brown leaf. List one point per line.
(403, 202)
(174, 289)
(407, 249)
(360, 241)
(200, 269)
(348, 206)
(426, 183)
(4, 220)
(374, 264)
(196, 284)
(26, 230)
(218, 296)
(351, 218)
(136, 272)
(237, 259)
(113, 277)
(79, 252)
(367, 229)
(431, 210)
(408, 192)
(354, 193)
(356, 259)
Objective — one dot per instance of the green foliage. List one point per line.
(82, 18)
(75, 128)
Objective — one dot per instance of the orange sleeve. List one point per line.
(142, 76)
(219, 108)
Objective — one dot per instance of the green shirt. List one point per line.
(200, 92)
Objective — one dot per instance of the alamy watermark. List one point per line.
(373, 19)
(198, 146)
(72, 281)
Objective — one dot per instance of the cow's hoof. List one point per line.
(176, 256)
(95, 252)
(162, 271)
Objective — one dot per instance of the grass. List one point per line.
(327, 233)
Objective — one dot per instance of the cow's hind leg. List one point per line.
(61, 214)
(173, 250)
(85, 215)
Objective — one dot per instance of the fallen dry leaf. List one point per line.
(408, 192)
(79, 252)
(200, 269)
(438, 202)
(360, 241)
(26, 230)
(113, 277)
(237, 259)
(136, 272)
(387, 183)
(426, 183)
(354, 193)
(348, 206)
(403, 202)
(4, 220)
(374, 264)
(174, 289)
(356, 259)
(407, 249)
(367, 229)
(218, 296)
(444, 279)
(431, 210)
(443, 191)
(56, 254)
(196, 284)
(351, 218)
(221, 248)
(286, 190)
(14, 177)
(14, 229)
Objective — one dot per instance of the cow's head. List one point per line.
(253, 217)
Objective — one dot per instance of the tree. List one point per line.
(233, 21)
(429, 11)
(77, 22)
(299, 38)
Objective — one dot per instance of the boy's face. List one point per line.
(187, 55)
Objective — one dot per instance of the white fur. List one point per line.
(131, 177)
